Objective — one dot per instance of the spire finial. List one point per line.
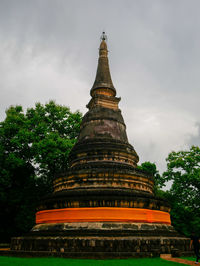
(103, 36)
(103, 51)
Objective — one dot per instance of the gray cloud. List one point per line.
(195, 139)
(49, 50)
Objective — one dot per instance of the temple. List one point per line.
(103, 204)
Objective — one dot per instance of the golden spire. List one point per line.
(103, 77)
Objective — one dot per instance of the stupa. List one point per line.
(103, 205)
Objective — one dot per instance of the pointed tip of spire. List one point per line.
(103, 51)
(103, 77)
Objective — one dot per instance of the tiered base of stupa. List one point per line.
(104, 218)
(102, 240)
(103, 223)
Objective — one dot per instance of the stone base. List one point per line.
(103, 229)
(99, 240)
(82, 255)
(148, 246)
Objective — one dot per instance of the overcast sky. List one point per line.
(49, 51)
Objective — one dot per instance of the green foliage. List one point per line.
(33, 147)
(151, 169)
(54, 130)
(183, 170)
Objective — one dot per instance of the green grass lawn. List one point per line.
(5, 261)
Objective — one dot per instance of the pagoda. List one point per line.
(104, 205)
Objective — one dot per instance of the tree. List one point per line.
(183, 170)
(151, 169)
(54, 130)
(33, 147)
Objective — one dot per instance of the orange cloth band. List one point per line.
(102, 214)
